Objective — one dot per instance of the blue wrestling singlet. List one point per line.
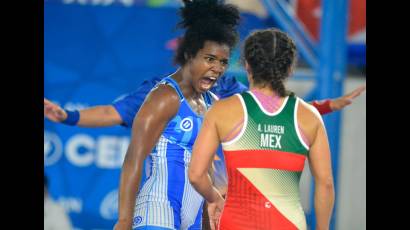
(166, 199)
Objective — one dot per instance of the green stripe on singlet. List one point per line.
(274, 132)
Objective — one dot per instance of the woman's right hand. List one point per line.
(214, 212)
(347, 99)
(54, 112)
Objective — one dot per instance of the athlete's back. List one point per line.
(264, 163)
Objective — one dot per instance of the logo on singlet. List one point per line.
(186, 124)
(268, 204)
(137, 220)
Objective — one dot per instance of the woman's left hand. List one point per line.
(214, 212)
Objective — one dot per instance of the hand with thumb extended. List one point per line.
(54, 112)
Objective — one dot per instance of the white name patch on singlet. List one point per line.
(278, 129)
(271, 135)
(270, 140)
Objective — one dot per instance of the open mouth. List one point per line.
(206, 83)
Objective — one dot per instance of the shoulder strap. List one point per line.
(175, 85)
(250, 103)
(208, 99)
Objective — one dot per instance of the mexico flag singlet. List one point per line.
(264, 163)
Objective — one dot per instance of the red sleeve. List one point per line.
(322, 106)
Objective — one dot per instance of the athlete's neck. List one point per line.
(267, 91)
(268, 98)
(184, 80)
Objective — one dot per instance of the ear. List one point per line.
(186, 56)
(248, 71)
(247, 68)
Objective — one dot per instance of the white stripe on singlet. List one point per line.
(191, 200)
(152, 201)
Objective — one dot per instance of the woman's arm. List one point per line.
(203, 153)
(332, 105)
(204, 149)
(97, 116)
(311, 123)
(120, 112)
(320, 165)
(321, 168)
(159, 107)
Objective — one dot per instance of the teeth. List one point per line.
(212, 78)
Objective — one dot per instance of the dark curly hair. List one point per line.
(271, 54)
(206, 20)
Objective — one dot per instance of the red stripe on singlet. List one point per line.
(265, 159)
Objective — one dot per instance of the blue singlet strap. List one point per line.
(175, 85)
